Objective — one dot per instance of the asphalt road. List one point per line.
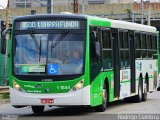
(113, 112)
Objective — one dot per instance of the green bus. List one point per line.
(80, 60)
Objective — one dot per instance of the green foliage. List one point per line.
(5, 96)
(129, 12)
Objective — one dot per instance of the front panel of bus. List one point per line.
(48, 62)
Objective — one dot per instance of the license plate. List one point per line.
(47, 100)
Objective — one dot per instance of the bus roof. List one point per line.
(132, 26)
(114, 23)
(126, 25)
(49, 16)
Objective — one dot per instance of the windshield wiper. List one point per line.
(62, 36)
(35, 40)
(37, 45)
(40, 50)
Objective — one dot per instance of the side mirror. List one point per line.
(4, 40)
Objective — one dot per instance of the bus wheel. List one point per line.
(144, 95)
(102, 107)
(37, 109)
(138, 98)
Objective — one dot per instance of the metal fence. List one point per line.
(3, 78)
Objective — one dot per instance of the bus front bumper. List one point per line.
(79, 97)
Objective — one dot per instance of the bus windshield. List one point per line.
(49, 54)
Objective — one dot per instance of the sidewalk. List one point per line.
(4, 101)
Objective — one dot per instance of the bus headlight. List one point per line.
(78, 86)
(17, 87)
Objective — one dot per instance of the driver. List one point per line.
(76, 59)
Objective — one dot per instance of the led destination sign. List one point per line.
(49, 25)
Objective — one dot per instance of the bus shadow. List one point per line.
(79, 111)
(64, 111)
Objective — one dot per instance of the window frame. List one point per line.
(107, 49)
(123, 50)
(137, 49)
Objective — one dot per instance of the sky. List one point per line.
(3, 3)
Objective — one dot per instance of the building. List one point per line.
(42, 3)
(151, 1)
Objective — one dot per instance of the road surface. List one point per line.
(114, 110)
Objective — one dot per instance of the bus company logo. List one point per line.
(38, 86)
(139, 66)
(47, 80)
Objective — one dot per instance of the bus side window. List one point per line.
(144, 46)
(122, 52)
(126, 49)
(138, 45)
(94, 46)
(154, 46)
(149, 46)
(107, 49)
(95, 49)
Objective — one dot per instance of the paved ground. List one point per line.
(3, 101)
(114, 110)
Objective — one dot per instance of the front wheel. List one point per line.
(102, 107)
(37, 109)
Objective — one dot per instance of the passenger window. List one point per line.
(94, 46)
(107, 49)
(154, 41)
(154, 46)
(126, 41)
(144, 45)
(124, 49)
(106, 38)
(138, 45)
(121, 41)
(149, 46)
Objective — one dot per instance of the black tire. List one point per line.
(158, 89)
(144, 95)
(103, 106)
(37, 109)
(128, 100)
(138, 98)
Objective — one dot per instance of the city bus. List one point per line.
(158, 83)
(80, 60)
